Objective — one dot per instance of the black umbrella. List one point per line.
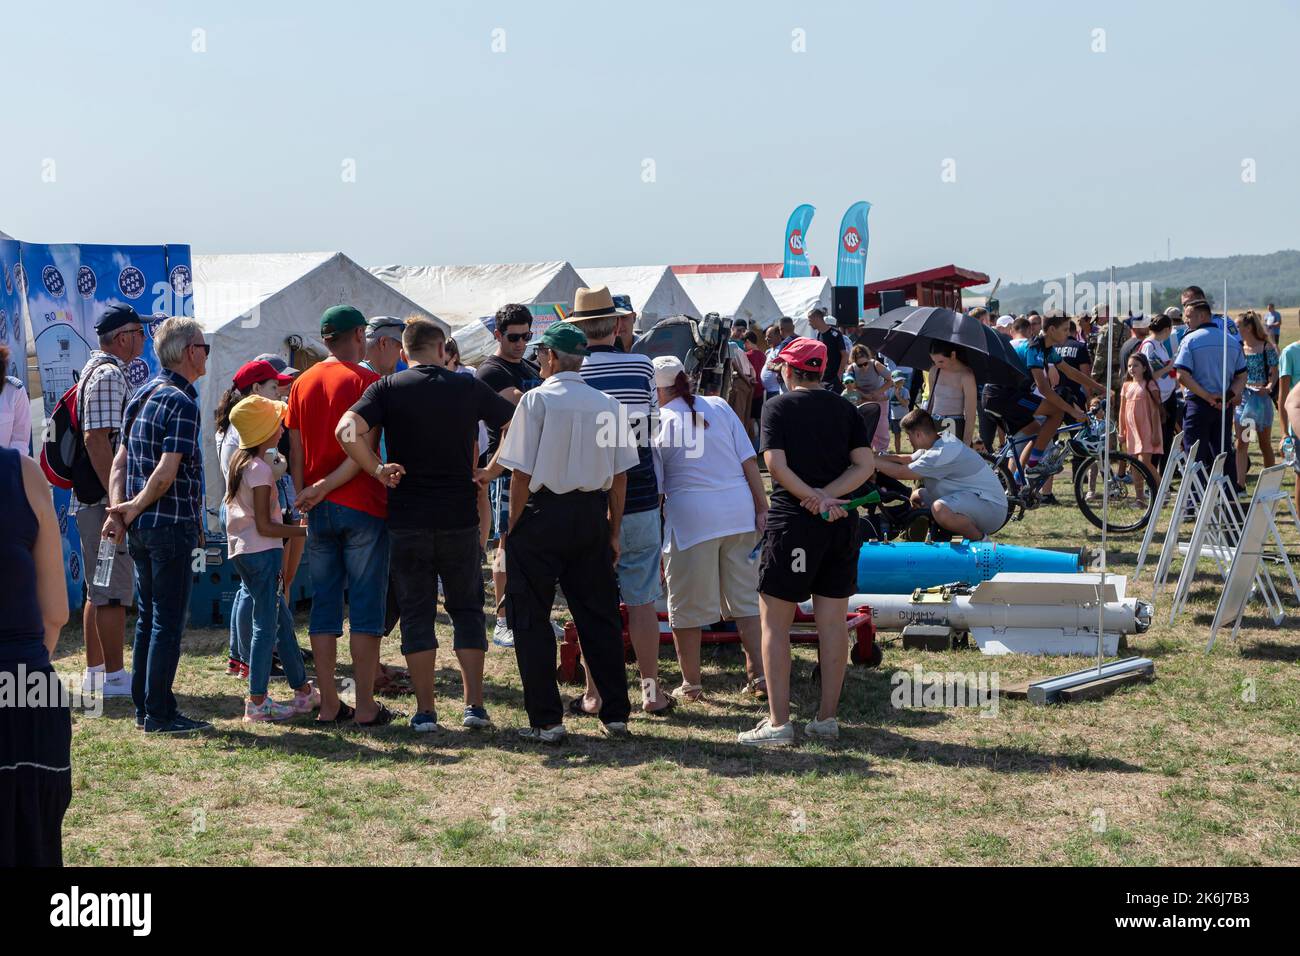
(905, 335)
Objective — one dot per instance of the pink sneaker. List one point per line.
(267, 710)
(306, 703)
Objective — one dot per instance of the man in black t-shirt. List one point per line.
(1076, 354)
(510, 375)
(817, 448)
(430, 417)
(837, 350)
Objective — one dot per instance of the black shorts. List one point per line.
(804, 555)
(419, 558)
(1016, 409)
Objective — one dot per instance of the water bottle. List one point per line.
(1288, 451)
(104, 563)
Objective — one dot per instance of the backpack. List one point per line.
(63, 453)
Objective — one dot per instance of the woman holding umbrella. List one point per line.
(952, 391)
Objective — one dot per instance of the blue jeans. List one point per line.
(347, 550)
(272, 621)
(164, 577)
(241, 623)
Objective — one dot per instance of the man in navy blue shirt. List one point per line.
(157, 493)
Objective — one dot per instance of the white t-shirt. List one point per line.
(951, 465)
(706, 495)
(1157, 355)
(227, 445)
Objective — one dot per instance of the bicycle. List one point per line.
(1083, 440)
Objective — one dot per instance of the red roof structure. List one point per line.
(769, 270)
(938, 287)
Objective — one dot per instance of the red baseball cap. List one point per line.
(807, 355)
(255, 373)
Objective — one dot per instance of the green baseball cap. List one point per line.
(340, 318)
(565, 337)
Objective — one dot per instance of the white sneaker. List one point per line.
(502, 636)
(765, 735)
(828, 729)
(545, 735)
(93, 682)
(118, 684)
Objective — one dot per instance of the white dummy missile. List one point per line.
(1019, 613)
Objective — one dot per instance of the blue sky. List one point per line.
(1065, 158)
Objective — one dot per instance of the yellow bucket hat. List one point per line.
(256, 419)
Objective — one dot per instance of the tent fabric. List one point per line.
(654, 290)
(461, 294)
(733, 295)
(250, 304)
(796, 296)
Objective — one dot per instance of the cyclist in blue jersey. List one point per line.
(1040, 354)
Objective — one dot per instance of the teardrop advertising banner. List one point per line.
(796, 243)
(851, 257)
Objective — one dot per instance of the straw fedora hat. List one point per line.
(591, 304)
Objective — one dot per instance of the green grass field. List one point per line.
(1200, 767)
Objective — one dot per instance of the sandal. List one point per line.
(577, 710)
(691, 693)
(344, 715)
(382, 719)
(757, 688)
(662, 711)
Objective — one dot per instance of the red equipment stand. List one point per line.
(864, 652)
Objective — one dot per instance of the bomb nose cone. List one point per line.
(1143, 613)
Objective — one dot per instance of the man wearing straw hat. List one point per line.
(569, 450)
(629, 378)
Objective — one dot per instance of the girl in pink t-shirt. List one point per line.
(255, 531)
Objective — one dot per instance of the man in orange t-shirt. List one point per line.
(347, 536)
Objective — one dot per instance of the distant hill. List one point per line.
(1252, 281)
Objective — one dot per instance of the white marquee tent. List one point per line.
(250, 304)
(733, 295)
(462, 294)
(797, 296)
(655, 291)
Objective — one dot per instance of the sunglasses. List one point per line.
(519, 336)
(207, 349)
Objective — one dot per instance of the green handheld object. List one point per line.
(870, 498)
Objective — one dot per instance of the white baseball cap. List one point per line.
(1005, 321)
(666, 369)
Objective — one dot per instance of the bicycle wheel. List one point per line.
(1128, 512)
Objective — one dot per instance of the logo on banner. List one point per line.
(53, 280)
(852, 241)
(4, 330)
(131, 282)
(86, 282)
(137, 373)
(796, 243)
(20, 278)
(181, 280)
(9, 282)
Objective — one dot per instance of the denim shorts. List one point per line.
(638, 559)
(347, 550)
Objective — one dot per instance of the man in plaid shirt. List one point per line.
(157, 492)
(102, 392)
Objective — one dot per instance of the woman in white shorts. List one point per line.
(715, 510)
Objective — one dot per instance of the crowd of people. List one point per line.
(396, 469)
